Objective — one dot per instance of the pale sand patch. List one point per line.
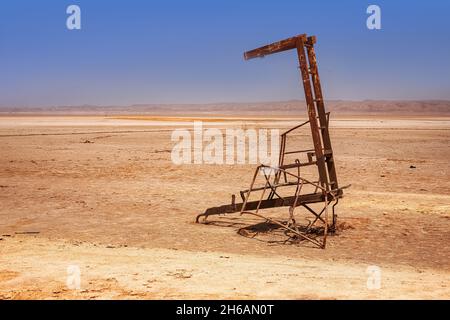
(178, 274)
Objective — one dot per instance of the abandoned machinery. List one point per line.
(285, 185)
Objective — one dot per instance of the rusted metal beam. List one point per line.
(279, 46)
(264, 204)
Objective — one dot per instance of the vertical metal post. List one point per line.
(321, 112)
(303, 65)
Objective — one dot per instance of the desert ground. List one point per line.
(101, 193)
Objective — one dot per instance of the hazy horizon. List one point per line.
(217, 103)
(291, 107)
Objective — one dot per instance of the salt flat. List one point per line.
(121, 210)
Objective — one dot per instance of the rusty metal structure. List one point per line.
(324, 190)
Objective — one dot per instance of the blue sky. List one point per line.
(171, 51)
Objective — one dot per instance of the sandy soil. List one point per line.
(120, 210)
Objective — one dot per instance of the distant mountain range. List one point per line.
(293, 107)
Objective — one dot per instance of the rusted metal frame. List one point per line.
(294, 128)
(251, 186)
(303, 64)
(322, 148)
(317, 215)
(274, 187)
(296, 165)
(303, 181)
(325, 230)
(336, 201)
(323, 118)
(299, 126)
(288, 184)
(295, 176)
(282, 150)
(334, 214)
(280, 163)
(282, 170)
(262, 194)
(246, 191)
(299, 151)
(297, 193)
(285, 171)
(298, 233)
